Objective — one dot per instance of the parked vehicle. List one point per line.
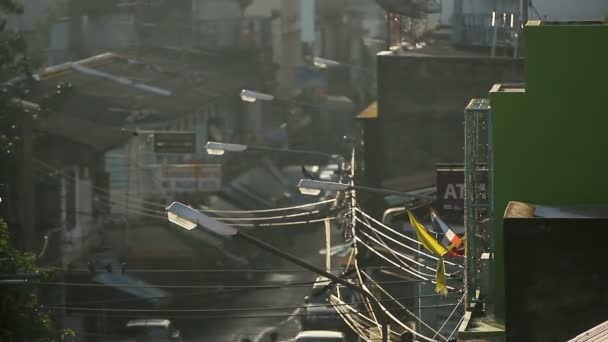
(319, 314)
(151, 330)
(320, 336)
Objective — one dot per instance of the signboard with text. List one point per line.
(185, 178)
(450, 191)
(175, 142)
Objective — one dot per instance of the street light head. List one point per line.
(214, 152)
(132, 132)
(218, 148)
(314, 187)
(253, 96)
(324, 63)
(310, 192)
(188, 218)
(180, 221)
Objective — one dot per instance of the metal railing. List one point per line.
(486, 30)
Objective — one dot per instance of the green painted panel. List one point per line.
(550, 142)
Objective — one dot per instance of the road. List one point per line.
(235, 329)
(256, 329)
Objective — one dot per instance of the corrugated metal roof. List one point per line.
(596, 334)
(128, 284)
(99, 137)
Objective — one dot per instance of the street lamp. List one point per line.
(189, 218)
(324, 63)
(218, 148)
(253, 96)
(314, 187)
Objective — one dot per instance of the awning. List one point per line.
(371, 112)
(135, 287)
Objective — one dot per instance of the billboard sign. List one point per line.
(451, 190)
(187, 178)
(175, 142)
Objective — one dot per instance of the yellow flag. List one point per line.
(440, 286)
(433, 246)
(427, 240)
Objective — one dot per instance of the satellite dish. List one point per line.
(410, 8)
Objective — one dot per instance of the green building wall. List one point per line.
(550, 138)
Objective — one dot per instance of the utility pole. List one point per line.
(523, 11)
(27, 210)
(139, 25)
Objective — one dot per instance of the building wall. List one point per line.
(137, 173)
(420, 104)
(547, 140)
(215, 9)
(290, 47)
(77, 213)
(262, 8)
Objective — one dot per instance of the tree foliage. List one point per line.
(20, 316)
(14, 74)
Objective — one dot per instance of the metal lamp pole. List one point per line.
(382, 316)
(219, 148)
(189, 218)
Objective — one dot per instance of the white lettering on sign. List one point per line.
(454, 191)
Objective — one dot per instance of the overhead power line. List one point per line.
(72, 308)
(450, 316)
(135, 209)
(402, 257)
(260, 211)
(241, 270)
(403, 236)
(62, 173)
(215, 310)
(403, 307)
(394, 263)
(259, 286)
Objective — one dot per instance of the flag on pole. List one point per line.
(449, 239)
(433, 246)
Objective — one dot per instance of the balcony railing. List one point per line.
(480, 30)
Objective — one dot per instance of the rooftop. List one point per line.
(121, 88)
(596, 334)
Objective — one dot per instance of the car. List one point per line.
(319, 314)
(320, 336)
(152, 330)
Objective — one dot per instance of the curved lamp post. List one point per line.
(190, 218)
(218, 148)
(325, 63)
(253, 96)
